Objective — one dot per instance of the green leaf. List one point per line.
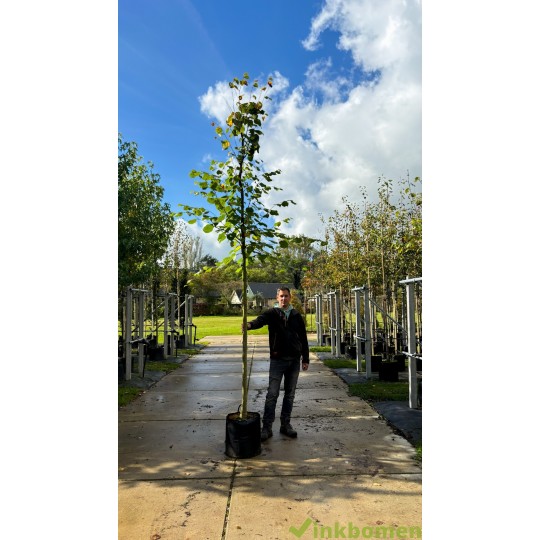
(208, 228)
(192, 221)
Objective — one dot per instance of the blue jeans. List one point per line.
(280, 368)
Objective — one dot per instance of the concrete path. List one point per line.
(347, 475)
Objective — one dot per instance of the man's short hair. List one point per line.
(284, 289)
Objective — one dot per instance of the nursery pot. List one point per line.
(121, 369)
(156, 353)
(388, 371)
(342, 346)
(243, 437)
(351, 352)
(400, 359)
(376, 360)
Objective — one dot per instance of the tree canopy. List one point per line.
(145, 222)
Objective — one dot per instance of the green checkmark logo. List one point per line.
(299, 532)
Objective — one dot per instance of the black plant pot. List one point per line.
(156, 353)
(400, 359)
(418, 364)
(243, 437)
(376, 360)
(342, 346)
(351, 352)
(121, 369)
(388, 371)
(324, 336)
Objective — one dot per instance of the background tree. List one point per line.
(375, 244)
(183, 257)
(144, 221)
(208, 261)
(292, 260)
(214, 287)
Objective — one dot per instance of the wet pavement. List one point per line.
(348, 470)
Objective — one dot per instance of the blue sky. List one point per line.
(345, 111)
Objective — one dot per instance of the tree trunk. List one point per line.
(245, 381)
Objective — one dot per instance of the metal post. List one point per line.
(338, 322)
(127, 345)
(357, 306)
(331, 298)
(321, 319)
(141, 332)
(411, 345)
(191, 337)
(186, 322)
(173, 321)
(367, 322)
(318, 318)
(166, 326)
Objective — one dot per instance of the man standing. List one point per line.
(288, 343)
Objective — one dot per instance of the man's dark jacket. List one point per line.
(286, 337)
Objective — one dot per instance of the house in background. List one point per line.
(260, 295)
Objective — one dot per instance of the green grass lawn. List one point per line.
(223, 326)
(340, 363)
(381, 391)
(214, 326)
(127, 394)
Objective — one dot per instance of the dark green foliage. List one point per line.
(144, 221)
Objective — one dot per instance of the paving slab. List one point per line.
(363, 501)
(174, 510)
(156, 450)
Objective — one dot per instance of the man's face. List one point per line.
(284, 299)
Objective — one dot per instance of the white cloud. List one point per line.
(318, 80)
(333, 135)
(210, 244)
(219, 99)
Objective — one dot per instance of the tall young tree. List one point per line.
(234, 189)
